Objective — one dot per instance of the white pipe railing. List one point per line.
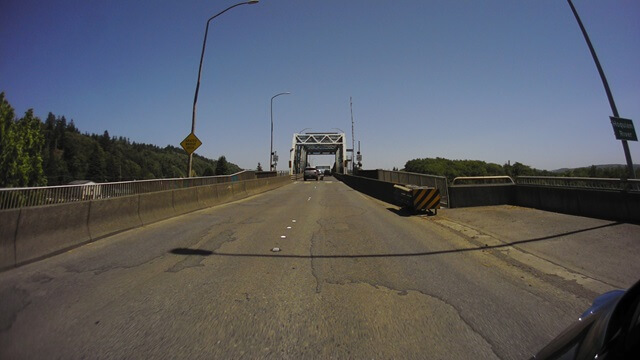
(11, 198)
(581, 182)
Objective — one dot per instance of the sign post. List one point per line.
(614, 109)
(190, 144)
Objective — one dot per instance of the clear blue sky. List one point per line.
(488, 80)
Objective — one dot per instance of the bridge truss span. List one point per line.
(323, 143)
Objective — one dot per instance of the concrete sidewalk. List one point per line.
(591, 249)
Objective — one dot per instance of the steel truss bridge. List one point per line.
(322, 143)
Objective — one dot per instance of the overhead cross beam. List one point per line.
(326, 143)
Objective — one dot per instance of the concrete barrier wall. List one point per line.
(610, 205)
(371, 174)
(253, 186)
(208, 196)
(481, 195)
(380, 190)
(186, 200)
(46, 230)
(156, 206)
(602, 204)
(32, 233)
(111, 216)
(225, 192)
(266, 174)
(8, 229)
(239, 190)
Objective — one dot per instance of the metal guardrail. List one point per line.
(483, 180)
(581, 183)
(11, 198)
(408, 178)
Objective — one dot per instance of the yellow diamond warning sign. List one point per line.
(191, 143)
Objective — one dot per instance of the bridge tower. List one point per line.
(323, 143)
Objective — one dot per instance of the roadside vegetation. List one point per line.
(54, 152)
(454, 168)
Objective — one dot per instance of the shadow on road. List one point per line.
(405, 212)
(188, 251)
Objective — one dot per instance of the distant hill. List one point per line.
(605, 166)
(455, 168)
(69, 155)
(601, 171)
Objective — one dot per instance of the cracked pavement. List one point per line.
(352, 280)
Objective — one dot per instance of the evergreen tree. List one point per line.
(7, 116)
(97, 170)
(56, 170)
(105, 141)
(208, 171)
(72, 127)
(55, 153)
(222, 168)
(49, 131)
(59, 132)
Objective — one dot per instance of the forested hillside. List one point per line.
(54, 152)
(454, 168)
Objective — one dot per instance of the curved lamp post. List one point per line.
(271, 150)
(204, 44)
(614, 109)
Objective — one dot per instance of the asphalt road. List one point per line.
(354, 278)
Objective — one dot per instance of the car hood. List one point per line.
(605, 330)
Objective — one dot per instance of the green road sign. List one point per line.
(623, 128)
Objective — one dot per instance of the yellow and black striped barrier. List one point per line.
(418, 198)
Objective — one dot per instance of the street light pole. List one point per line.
(271, 150)
(353, 139)
(614, 109)
(204, 44)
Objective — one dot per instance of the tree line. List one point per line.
(455, 168)
(54, 152)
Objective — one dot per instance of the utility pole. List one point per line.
(272, 155)
(359, 157)
(353, 141)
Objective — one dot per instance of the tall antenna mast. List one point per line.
(353, 141)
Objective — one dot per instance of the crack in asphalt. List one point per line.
(109, 267)
(404, 292)
(314, 270)
(130, 261)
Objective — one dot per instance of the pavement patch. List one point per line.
(536, 262)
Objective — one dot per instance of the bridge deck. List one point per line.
(354, 279)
